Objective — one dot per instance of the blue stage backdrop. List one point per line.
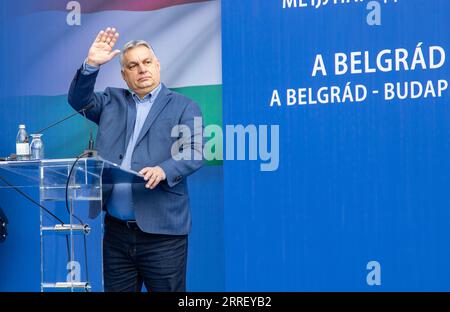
(360, 200)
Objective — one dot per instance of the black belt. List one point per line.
(131, 224)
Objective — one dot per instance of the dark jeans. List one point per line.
(132, 258)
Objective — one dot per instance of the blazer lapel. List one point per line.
(159, 104)
(131, 119)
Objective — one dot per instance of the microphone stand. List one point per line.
(83, 110)
(89, 152)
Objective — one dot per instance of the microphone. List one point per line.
(90, 151)
(83, 110)
(91, 141)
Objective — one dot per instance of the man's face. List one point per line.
(141, 70)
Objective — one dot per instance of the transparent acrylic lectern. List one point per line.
(71, 222)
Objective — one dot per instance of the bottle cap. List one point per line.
(21, 126)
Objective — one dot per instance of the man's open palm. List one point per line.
(101, 51)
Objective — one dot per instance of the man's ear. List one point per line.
(123, 75)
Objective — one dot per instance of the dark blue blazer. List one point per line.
(165, 209)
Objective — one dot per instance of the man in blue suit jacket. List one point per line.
(146, 225)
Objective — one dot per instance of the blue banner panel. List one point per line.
(353, 195)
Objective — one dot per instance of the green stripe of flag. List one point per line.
(209, 98)
(70, 137)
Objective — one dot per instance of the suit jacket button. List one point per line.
(120, 156)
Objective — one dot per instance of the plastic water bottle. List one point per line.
(22, 144)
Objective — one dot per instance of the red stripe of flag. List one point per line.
(91, 6)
